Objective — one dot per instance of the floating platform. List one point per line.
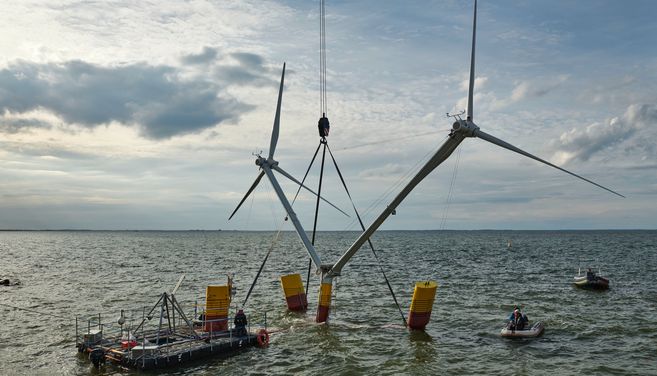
(172, 351)
(171, 339)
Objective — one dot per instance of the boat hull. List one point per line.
(534, 331)
(599, 283)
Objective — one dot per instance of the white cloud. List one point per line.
(480, 83)
(632, 133)
(392, 76)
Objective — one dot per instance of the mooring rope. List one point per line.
(264, 261)
(279, 226)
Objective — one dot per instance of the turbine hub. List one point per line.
(464, 126)
(261, 161)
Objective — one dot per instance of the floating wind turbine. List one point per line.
(460, 130)
(270, 163)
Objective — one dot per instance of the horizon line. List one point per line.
(292, 231)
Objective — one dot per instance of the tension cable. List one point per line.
(376, 257)
(451, 189)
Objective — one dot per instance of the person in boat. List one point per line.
(518, 320)
(240, 323)
(590, 275)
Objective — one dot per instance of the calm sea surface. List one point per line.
(64, 274)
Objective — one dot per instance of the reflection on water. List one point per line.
(423, 346)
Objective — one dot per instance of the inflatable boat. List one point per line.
(534, 330)
(590, 280)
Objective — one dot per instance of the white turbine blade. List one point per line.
(472, 66)
(498, 142)
(282, 172)
(277, 118)
(255, 184)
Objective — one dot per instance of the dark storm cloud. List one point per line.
(236, 68)
(249, 60)
(154, 98)
(239, 76)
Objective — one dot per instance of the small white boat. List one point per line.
(590, 280)
(533, 331)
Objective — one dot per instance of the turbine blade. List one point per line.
(498, 142)
(472, 66)
(284, 173)
(255, 184)
(277, 118)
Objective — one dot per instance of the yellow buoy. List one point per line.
(295, 295)
(324, 302)
(422, 304)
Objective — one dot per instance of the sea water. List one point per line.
(73, 273)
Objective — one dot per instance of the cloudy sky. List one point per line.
(146, 115)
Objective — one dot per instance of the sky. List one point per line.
(148, 115)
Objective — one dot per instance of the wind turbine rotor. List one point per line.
(470, 129)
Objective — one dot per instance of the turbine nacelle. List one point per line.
(261, 161)
(466, 127)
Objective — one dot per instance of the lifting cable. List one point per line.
(378, 261)
(322, 58)
(323, 107)
(319, 192)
